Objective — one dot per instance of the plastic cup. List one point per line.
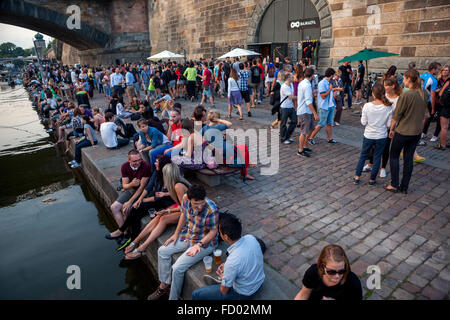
(208, 263)
(218, 256)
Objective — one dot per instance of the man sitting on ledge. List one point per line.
(199, 219)
(243, 273)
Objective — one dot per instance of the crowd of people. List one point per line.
(164, 146)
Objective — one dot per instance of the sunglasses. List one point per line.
(332, 272)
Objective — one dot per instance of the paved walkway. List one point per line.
(312, 202)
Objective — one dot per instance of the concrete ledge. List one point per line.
(102, 169)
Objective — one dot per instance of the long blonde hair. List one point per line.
(171, 176)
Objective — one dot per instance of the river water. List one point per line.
(50, 220)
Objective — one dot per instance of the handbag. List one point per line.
(277, 106)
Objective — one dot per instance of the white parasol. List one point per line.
(165, 55)
(238, 52)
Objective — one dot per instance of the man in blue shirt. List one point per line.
(430, 86)
(327, 106)
(244, 75)
(129, 79)
(242, 274)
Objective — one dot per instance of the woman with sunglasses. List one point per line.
(331, 278)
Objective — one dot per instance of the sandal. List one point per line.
(134, 254)
(229, 116)
(130, 247)
(391, 189)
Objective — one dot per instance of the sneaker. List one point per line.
(259, 101)
(434, 139)
(287, 141)
(307, 149)
(332, 141)
(249, 114)
(312, 142)
(372, 183)
(291, 140)
(422, 143)
(75, 165)
(423, 136)
(303, 153)
(383, 173)
(355, 181)
(71, 162)
(158, 294)
(344, 108)
(367, 168)
(439, 146)
(124, 243)
(337, 124)
(51, 130)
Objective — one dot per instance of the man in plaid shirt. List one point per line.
(243, 85)
(199, 220)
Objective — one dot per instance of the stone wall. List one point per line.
(418, 30)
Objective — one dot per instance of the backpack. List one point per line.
(256, 74)
(271, 72)
(130, 131)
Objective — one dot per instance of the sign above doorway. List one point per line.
(303, 24)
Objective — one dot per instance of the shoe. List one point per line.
(287, 142)
(420, 159)
(71, 162)
(372, 183)
(332, 141)
(158, 294)
(423, 136)
(439, 146)
(110, 237)
(312, 142)
(124, 243)
(291, 140)
(394, 190)
(402, 190)
(337, 124)
(303, 154)
(433, 139)
(249, 114)
(356, 181)
(422, 143)
(367, 168)
(51, 130)
(383, 173)
(75, 165)
(344, 108)
(135, 254)
(307, 149)
(259, 101)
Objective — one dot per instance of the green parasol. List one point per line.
(367, 54)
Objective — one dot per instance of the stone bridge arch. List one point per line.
(324, 11)
(53, 23)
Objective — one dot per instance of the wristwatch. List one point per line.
(201, 244)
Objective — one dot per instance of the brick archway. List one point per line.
(324, 11)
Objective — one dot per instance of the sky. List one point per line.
(21, 37)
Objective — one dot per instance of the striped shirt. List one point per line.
(199, 224)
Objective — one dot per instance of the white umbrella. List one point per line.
(165, 55)
(238, 52)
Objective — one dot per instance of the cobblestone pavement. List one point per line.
(312, 202)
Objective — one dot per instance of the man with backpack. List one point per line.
(255, 82)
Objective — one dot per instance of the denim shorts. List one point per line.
(207, 92)
(326, 117)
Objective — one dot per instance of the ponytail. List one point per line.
(380, 93)
(414, 77)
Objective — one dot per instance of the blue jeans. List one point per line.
(80, 145)
(213, 293)
(348, 90)
(107, 90)
(365, 153)
(150, 156)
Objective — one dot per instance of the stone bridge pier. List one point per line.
(110, 31)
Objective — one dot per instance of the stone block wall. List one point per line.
(417, 30)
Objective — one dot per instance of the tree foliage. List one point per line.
(10, 50)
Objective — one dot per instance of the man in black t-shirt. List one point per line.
(359, 80)
(347, 75)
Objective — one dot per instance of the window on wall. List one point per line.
(274, 24)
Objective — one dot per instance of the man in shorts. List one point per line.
(256, 83)
(243, 86)
(306, 112)
(207, 87)
(135, 176)
(327, 106)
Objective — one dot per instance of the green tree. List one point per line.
(7, 50)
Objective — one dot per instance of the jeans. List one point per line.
(107, 90)
(124, 115)
(121, 143)
(150, 155)
(213, 293)
(408, 144)
(430, 118)
(174, 274)
(385, 157)
(348, 90)
(287, 113)
(365, 153)
(80, 145)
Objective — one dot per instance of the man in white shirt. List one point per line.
(306, 111)
(108, 132)
(116, 83)
(287, 109)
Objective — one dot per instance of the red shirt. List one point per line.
(144, 171)
(262, 71)
(177, 135)
(207, 75)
